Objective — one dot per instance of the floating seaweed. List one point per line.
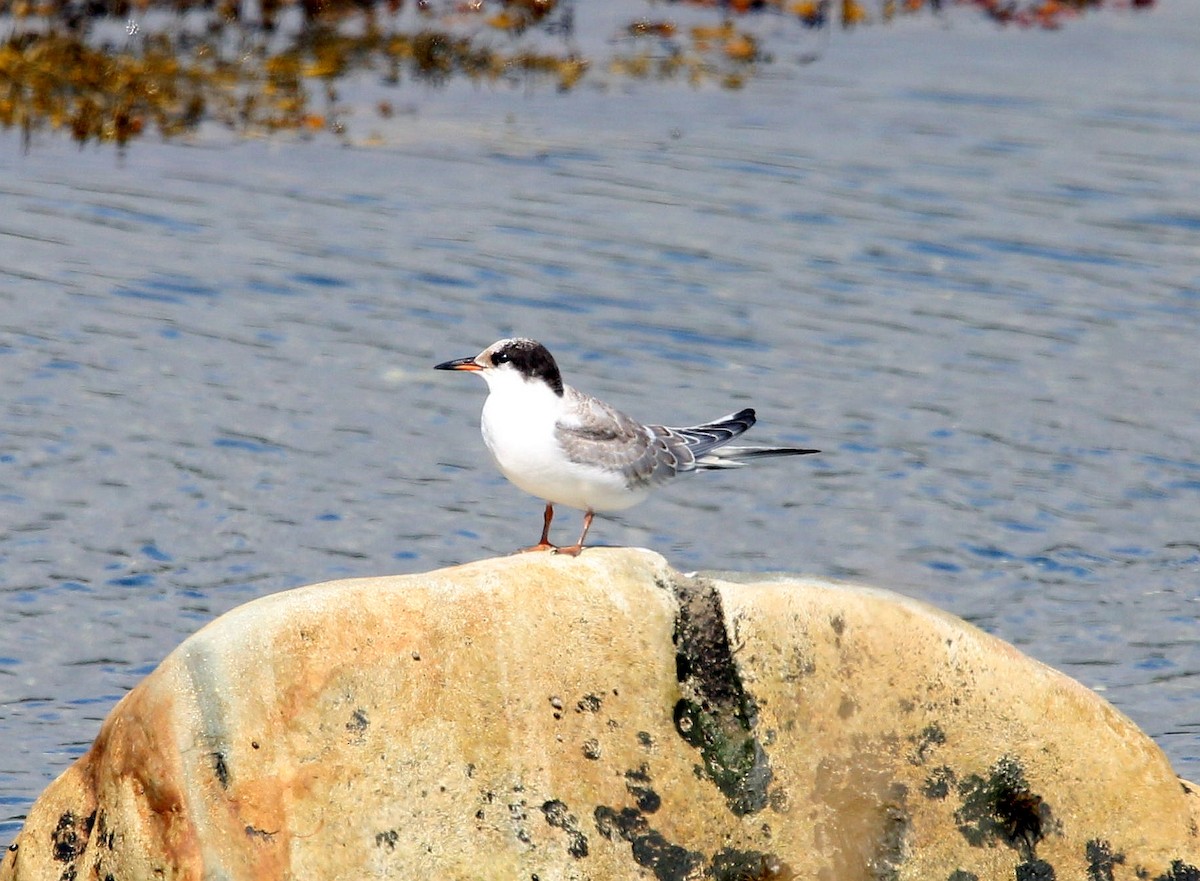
(62, 69)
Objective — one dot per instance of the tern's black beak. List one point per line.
(459, 364)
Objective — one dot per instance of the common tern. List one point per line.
(569, 448)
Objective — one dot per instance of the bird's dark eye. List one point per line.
(501, 358)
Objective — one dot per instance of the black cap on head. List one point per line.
(530, 358)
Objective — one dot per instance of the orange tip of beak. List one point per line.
(458, 364)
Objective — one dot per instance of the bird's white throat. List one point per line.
(518, 418)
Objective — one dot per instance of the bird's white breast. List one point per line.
(518, 425)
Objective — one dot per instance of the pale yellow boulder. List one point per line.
(543, 717)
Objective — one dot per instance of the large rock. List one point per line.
(541, 717)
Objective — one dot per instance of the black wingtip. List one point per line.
(743, 420)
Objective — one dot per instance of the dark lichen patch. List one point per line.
(717, 715)
(1180, 871)
(559, 817)
(650, 850)
(589, 703)
(1002, 807)
(107, 837)
(358, 722)
(220, 768)
(931, 736)
(889, 850)
(1034, 870)
(259, 834)
(749, 865)
(638, 784)
(517, 816)
(387, 839)
(357, 726)
(802, 664)
(938, 782)
(962, 875)
(645, 740)
(70, 836)
(1101, 860)
(672, 862)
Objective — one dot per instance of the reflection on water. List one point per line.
(978, 296)
(110, 71)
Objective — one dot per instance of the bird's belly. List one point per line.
(535, 463)
(575, 487)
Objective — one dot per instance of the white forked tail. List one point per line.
(704, 439)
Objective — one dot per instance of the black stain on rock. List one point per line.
(889, 849)
(589, 703)
(107, 837)
(220, 768)
(559, 817)
(387, 839)
(1180, 871)
(259, 834)
(668, 862)
(1035, 870)
(1002, 807)
(358, 722)
(931, 736)
(70, 836)
(638, 784)
(938, 782)
(518, 814)
(1101, 860)
(749, 865)
(717, 715)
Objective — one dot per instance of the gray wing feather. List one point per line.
(644, 454)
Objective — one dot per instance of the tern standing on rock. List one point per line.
(569, 448)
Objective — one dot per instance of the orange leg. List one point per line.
(544, 544)
(573, 550)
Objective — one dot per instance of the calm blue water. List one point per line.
(963, 262)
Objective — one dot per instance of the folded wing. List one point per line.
(650, 454)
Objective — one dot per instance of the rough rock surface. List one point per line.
(540, 717)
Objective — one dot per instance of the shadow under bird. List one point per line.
(568, 448)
